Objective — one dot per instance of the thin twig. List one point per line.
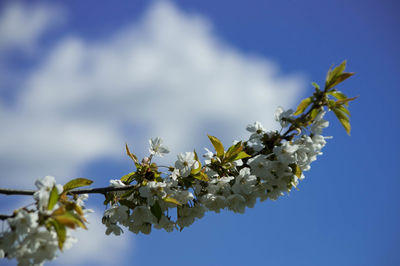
(100, 190)
(5, 216)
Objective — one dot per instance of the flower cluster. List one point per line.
(265, 166)
(35, 235)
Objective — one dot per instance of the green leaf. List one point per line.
(341, 78)
(345, 101)
(234, 150)
(70, 220)
(132, 156)
(344, 119)
(315, 85)
(53, 198)
(77, 182)
(336, 76)
(128, 193)
(198, 169)
(60, 230)
(172, 200)
(195, 155)
(201, 176)
(332, 74)
(156, 210)
(241, 155)
(331, 104)
(303, 105)
(296, 170)
(313, 114)
(337, 94)
(219, 148)
(343, 109)
(128, 178)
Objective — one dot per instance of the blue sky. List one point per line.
(79, 79)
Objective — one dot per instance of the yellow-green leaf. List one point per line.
(343, 109)
(234, 150)
(332, 74)
(303, 105)
(195, 155)
(61, 210)
(336, 76)
(241, 155)
(219, 148)
(60, 230)
(344, 119)
(296, 170)
(53, 198)
(201, 176)
(198, 169)
(315, 85)
(132, 156)
(338, 95)
(70, 220)
(345, 101)
(128, 178)
(172, 200)
(314, 114)
(77, 182)
(342, 77)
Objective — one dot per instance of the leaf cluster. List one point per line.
(68, 213)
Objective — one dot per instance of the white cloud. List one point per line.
(21, 26)
(167, 76)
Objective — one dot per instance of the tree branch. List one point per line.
(100, 190)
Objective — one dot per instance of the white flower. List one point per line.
(117, 213)
(255, 144)
(244, 183)
(113, 228)
(214, 202)
(157, 148)
(142, 214)
(208, 156)
(236, 203)
(182, 196)
(165, 223)
(151, 190)
(24, 222)
(286, 153)
(186, 163)
(260, 166)
(116, 183)
(220, 185)
(319, 123)
(45, 185)
(257, 129)
(281, 115)
(81, 198)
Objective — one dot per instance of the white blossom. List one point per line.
(45, 185)
(186, 163)
(319, 123)
(157, 148)
(245, 182)
(281, 116)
